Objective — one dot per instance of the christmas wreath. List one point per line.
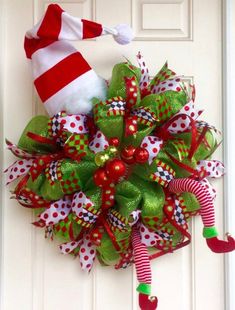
(118, 168)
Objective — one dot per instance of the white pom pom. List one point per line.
(124, 34)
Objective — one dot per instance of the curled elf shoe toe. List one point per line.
(221, 246)
(147, 302)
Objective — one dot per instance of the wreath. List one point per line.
(118, 176)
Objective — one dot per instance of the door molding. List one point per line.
(2, 81)
(228, 21)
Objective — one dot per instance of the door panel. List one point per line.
(35, 275)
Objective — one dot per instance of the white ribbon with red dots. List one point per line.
(69, 247)
(181, 124)
(18, 169)
(169, 84)
(185, 115)
(173, 84)
(74, 123)
(153, 145)
(19, 152)
(57, 211)
(145, 78)
(148, 237)
(99, 142)
(60, 209)
(213, 168)
(79, 201)
(87, 253)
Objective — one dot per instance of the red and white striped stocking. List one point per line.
(207, 213)
(143, 270)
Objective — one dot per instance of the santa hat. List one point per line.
(62, 77)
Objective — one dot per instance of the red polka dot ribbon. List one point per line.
(182, 121)
(163, 82)
(83, 209)
(173, 84)
(98, 143)
(209, 169)
(213, 168)
(153, 145)
(145, 78)
(19, 152)
(69, 247)
(84, 213)
(18, 169)
(86, 251)
(149, 237)
(74, 123)
(57, 211)
(79, 205)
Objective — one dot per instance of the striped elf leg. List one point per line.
(143, 270)
(207, 213)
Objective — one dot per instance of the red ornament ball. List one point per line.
(127, 154)
(100, 177)
(115, 169)
(141, 155)
(114, 141)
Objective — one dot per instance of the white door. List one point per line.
(35, 276)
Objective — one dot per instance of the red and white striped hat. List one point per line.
(62, 77)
